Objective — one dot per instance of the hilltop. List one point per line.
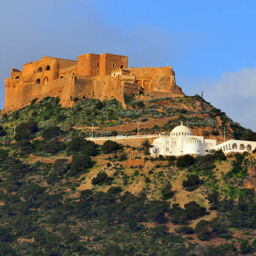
(63, 195)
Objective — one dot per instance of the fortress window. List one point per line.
(61, 77)
(48, 67)
(113, 65)
(122, 66)
(40, 70)
(17, 77)
(45, 81)
(98, 72)
(38, 81)
(98, 64)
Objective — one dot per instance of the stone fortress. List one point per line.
(102, 77)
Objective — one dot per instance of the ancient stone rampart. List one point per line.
(102, 77)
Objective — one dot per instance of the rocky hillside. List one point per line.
(63, 195)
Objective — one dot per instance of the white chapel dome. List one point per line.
(181, 130)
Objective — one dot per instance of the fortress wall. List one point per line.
(63, 63)
(39, 70)
(130, 88)
(16, 74)
(109, 62)
(99, 87)
(158, 79)
(83, 87)
(21, 96)
(67, 70)
(107, 87)
(88, 64)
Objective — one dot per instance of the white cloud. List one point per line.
(235, 94)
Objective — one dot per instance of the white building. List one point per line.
(181, 141)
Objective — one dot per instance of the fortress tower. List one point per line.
(102, 76)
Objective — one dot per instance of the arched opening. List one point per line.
(38, 81)
(249, 147)
(48, 67)
(98, 72)
(122, 66)
(234, 146)
(113, 65)
(61, 77)
(45, 81)
(39, 70)
(98, 64)
(242, 147)
(17, 77)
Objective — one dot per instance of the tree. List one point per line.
(110, 146)
(191, 182)
(3, 154)
(167, 192)
(80, 163)
(51, 132)
(25, 130)
(219, 155)
(79, 144)
(101, 179)
(2, 131)
(146, 146)
(203, 230)
(185, 161)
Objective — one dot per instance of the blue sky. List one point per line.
(210, 44)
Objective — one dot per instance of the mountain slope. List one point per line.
(63, 195)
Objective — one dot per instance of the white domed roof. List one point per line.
(181, 130)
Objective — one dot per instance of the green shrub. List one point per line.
(215, 132)
(24, 146)
(2, 131)
(219, 155)
(167, 192)
(53, 147)
(213, 200)
(185, 230)
(110, 146)
(101, 179)
(194, 210)
(51, 132)
(246, 247)
(80, 163)
(123, 157)
(191, 182)
(191, 211)
(115, 190)
(185, 161)
(3, 154)
(171, 160)
(25, 130)
(79, 144)
(203, 230)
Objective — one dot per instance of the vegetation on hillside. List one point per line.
(61, 194)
